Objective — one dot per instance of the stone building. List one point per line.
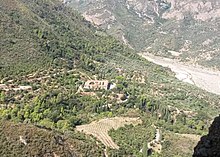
(97, 84)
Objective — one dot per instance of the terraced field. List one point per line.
(99, 129)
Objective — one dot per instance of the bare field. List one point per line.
(99, 129)
(183, 143)
(190, 136)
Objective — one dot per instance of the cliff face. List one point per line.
(209, 145)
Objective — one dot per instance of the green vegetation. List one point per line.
(55, 51)
(41, 142)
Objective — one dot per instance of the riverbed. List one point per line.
(203, 78)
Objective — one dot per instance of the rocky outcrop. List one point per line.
(150, 9)
(209, 145)
(200, 10)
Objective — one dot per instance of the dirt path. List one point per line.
(155, 144)
(206, 79)
(99, 129)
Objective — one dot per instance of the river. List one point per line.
(203, 78)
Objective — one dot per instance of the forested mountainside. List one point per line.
(37, 34)
(187, 30)
(51, 57)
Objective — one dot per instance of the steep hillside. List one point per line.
(60, 72)
(28, 140)
(186, 30)
(41, 34)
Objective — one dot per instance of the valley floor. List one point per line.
(206, 79)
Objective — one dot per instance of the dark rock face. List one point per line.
(209, 145)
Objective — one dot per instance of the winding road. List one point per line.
(203, 78)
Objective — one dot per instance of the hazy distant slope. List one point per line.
(189, 27)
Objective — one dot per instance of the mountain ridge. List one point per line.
(162, 27)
